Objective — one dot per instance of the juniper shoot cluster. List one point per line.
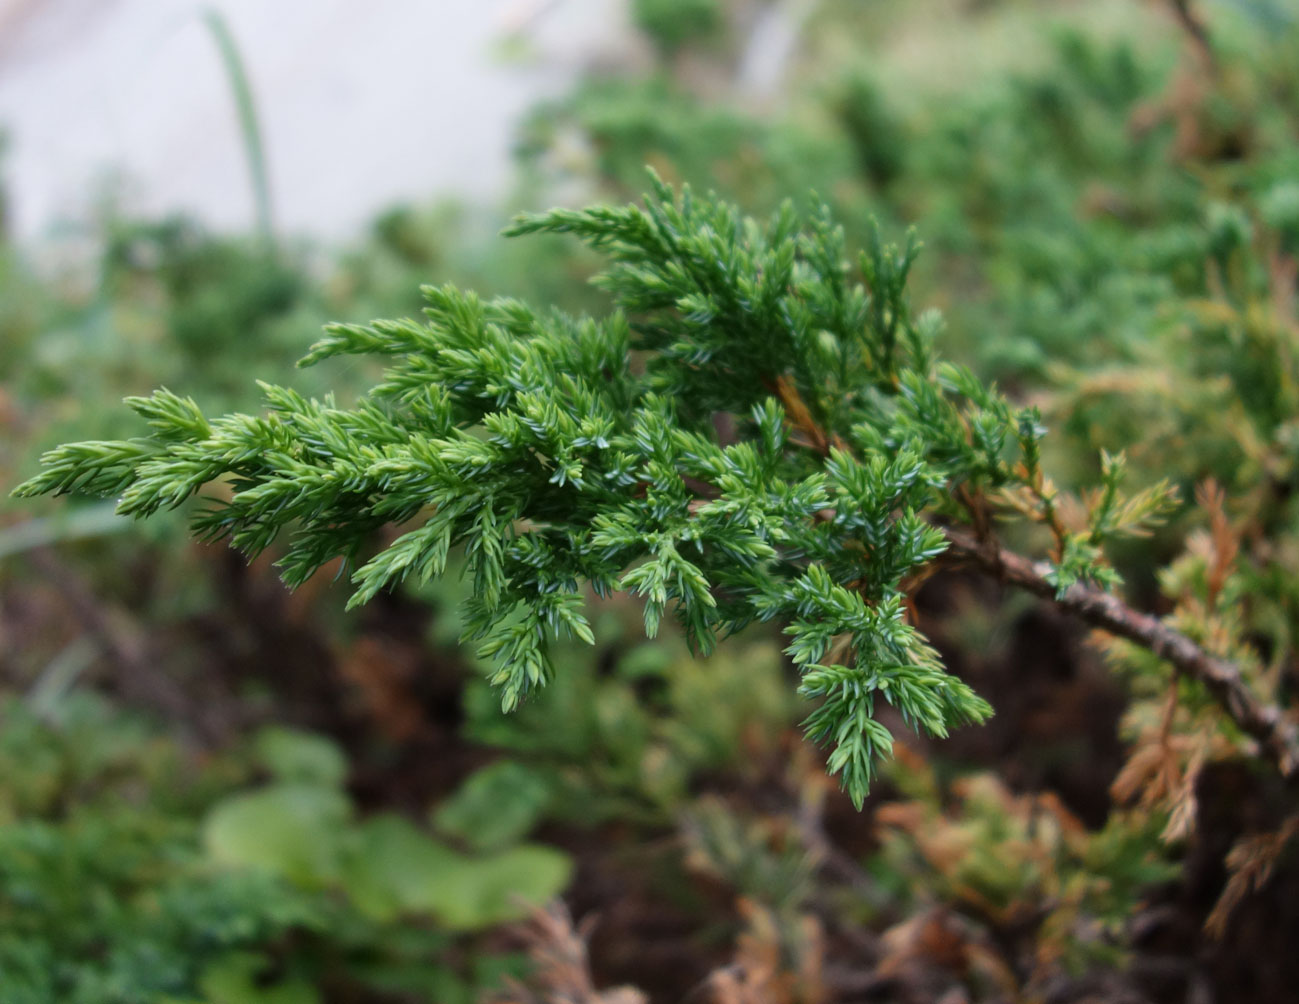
(758, 431)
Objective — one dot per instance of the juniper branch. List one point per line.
(1276, 733)
(530, 441)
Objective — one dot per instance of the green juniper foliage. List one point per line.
(752, 435)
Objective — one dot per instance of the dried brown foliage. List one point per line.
(561, 969)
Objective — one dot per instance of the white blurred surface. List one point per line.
(362, 103)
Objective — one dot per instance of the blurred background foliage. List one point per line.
(214, 791)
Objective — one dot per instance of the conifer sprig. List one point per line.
(751, 434)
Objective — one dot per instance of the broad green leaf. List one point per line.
(487, 891)
(387, 857)
(495, 806)
(392, 868)
(292, 830)
(295, 756)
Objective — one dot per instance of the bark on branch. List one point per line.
(1277, 735)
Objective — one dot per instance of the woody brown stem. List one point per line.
(1277, 735)
(1196, 31)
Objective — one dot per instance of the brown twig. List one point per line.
(799, 416)
(1196, 32)
(1277, 735)
(561, 967)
